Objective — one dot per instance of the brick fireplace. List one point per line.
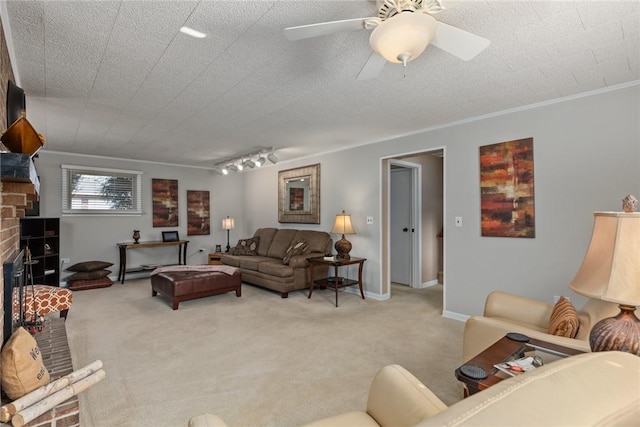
(19, 188)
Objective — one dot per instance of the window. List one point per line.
(89, 190)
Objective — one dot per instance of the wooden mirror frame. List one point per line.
(305, 216)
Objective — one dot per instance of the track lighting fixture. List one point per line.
(245, 161)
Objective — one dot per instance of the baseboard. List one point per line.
(355, 290)
(428, 284)
(455, 316)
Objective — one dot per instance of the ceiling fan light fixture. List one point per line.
(403, 37)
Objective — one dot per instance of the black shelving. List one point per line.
(42, 236)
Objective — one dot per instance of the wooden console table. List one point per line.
(122, 270)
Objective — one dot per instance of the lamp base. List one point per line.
(343, 247)
(621, 332)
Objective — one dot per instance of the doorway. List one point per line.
(404, 223)
(426, 207)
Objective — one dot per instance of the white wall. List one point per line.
(587, 158)
(95, 237)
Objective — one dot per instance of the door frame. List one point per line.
(416, 220)
(385, 275)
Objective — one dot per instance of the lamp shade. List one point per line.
(611, 267)
(404, 36)
(342, 224)
(228, 223)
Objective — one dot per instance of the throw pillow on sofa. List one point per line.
(22, 367)
(564, 319)
(247, 246)
(89, 266)
(297, 248)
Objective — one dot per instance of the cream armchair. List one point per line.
(504, 312)
(592, 389)
(396, 399)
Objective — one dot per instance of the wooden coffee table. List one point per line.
(505, 350)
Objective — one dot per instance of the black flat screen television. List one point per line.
(15, 102)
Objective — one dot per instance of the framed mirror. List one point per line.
(299, 195)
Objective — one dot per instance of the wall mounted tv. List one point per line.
(15, 102)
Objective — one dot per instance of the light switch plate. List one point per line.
(458, 221)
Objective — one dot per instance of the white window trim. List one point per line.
(137, 202)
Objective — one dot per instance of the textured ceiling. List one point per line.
(117, 78)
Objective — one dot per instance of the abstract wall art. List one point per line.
(165, 202)
(198, 221)
(507, 190)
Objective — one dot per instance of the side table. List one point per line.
(336, 282)
(215, 259)
(508, 349)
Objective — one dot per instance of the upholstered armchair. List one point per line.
(504, 312)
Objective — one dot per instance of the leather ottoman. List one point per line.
(187, 285)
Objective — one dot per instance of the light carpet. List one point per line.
(257, 360)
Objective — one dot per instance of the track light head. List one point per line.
(272, 158)
(260, 161)
(248, 164)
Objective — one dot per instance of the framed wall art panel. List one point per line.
(507, 189)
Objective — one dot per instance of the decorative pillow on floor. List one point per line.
(297, 248)
(89, 275)
(247, 246)
(564, 319)
(22, 367)
(89, 266)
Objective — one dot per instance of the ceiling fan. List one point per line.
(401, 32)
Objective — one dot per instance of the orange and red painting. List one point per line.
(165, 202)
(198, 213)
(506, 184)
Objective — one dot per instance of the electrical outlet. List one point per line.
(369, 220)
(65, 260)
(458, 221)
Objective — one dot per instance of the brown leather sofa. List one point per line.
(267, 269)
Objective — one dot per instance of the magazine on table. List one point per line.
(518, 366)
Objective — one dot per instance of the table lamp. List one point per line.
(228, 224)
(342, 225)
(611, 272)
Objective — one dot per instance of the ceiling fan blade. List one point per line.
(458, 42)
(324, 28)
(372, 67)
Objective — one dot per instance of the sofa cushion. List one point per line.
(231, 260)
(89, 266)
(298, 247)
(281, 242)
(89, 275)
(564, 319)
(266, 237)
(317, 240)
(275, 268)
(252, 262)
(247, 246)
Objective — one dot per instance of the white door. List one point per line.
(400, 226)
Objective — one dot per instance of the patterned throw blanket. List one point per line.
(226, 269)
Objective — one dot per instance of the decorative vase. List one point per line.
(629, 204)
(136, 235)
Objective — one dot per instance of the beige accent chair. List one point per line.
(504, 312)
(585, 390)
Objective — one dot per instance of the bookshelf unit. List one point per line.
(42, 236)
